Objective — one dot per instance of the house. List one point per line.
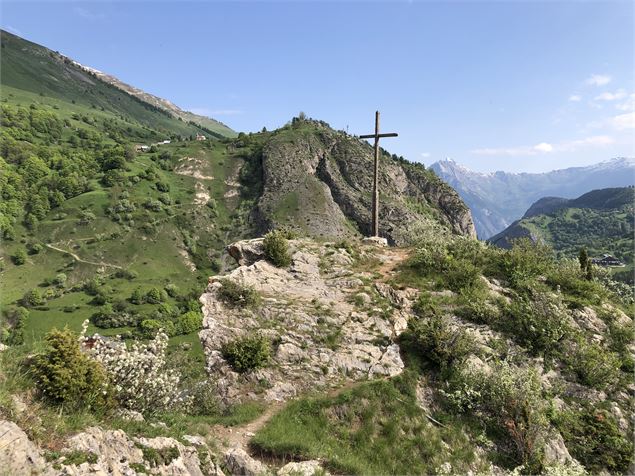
(607, 260)
(142, 148)
(200, 136)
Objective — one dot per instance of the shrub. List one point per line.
(511, 399)
(19, 257)
(234, 293)
(107, 318)
(32, 298)
(156, 296)
(539, 323)
(437, 340)
(172, 290)
(276, 249)
(66, 376)
(462, 275)
(594, 439)
(17, 318)
(150, 328)
(191, 321)
(526, 261)
(60, 280)
(247, 353)
(595, 366)
(35, 248)
(139, 375)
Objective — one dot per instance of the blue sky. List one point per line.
(518, 86)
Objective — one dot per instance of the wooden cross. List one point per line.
(376, 136)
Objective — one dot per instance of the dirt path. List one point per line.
(80, 260)
(394, 257)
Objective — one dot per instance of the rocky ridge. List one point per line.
(318, 180)
(321, 338)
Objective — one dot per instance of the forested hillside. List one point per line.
(600, 221)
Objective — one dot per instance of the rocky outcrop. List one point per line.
(18, 455)
(318, 181)
(108, 453)
(319, 337)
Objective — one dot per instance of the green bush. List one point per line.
(276, 249)
(435, 339)
(19, 257)
(155, 296)
(234, 293)
(594, 439)
(32, 298)
(148, 328)
(66, 376)
(595, 366)
(191, 321)
(539, 323)
(462, 275)
(247, 353)
(526, 261)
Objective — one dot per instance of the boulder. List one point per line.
(302, 468)
(247, 252)
(18, 455)
(239, 463)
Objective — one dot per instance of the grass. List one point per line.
(374, 428)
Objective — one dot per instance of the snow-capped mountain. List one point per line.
(496, 199)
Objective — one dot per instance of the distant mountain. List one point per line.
(497, 199)
(600, 220)
(29, 70)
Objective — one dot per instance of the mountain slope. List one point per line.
(30, 71)
(497, 199)
(601, 221)
(319, 181)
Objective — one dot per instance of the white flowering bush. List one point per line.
(138, 375)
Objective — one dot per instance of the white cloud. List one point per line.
(598, 80)
(575, 98)
(624, 121)
(619, 94)
(545, 147)
(425, 154)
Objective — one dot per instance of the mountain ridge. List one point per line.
(498, 198)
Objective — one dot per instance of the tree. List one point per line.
(583, 258)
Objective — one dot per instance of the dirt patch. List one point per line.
(192, 167)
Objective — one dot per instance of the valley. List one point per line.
(212, 306)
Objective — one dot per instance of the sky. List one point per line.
(505, 85)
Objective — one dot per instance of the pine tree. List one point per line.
(583, 257)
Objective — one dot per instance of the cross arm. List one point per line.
(372, 136)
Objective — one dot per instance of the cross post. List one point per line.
(376, 136)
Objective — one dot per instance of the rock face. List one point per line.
(319, 337)
(115, 452)
(318, 180)
(18, 455)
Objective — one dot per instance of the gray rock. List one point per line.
(239, 463)
(375, 241)
(302, 468)
(18, 455)
(247, 252)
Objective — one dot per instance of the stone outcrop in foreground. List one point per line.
(326, 323)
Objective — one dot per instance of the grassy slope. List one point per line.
(33, 69)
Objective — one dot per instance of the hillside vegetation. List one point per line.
(131, 343)
(601, 221)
